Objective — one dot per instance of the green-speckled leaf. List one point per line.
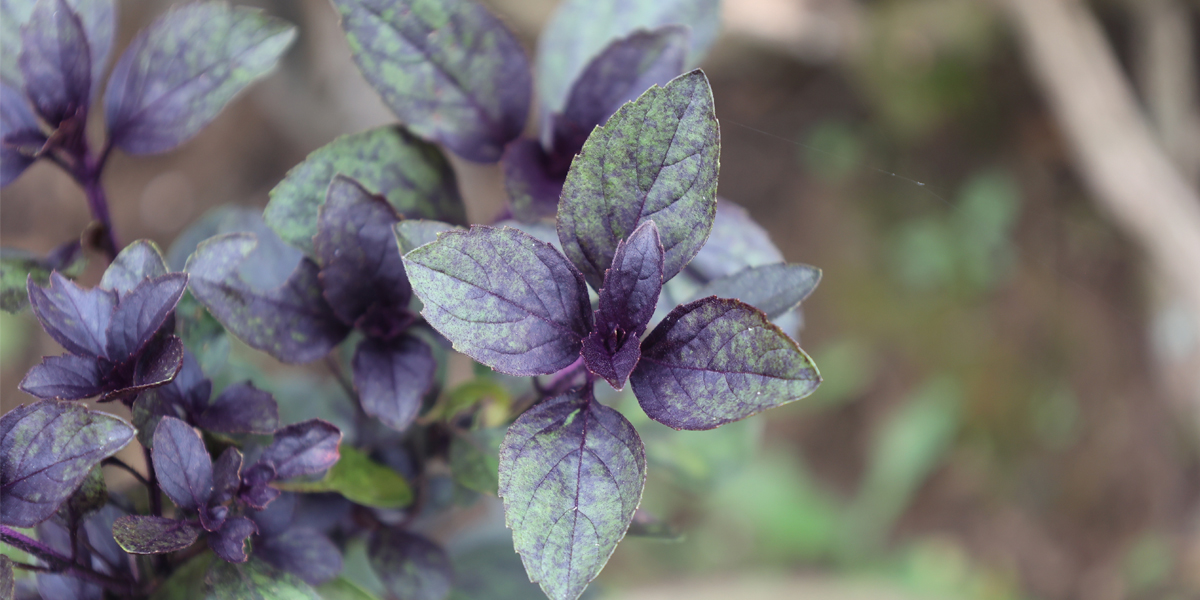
(89, 497)
(254, 580)
(412, 174)
(341, 588)
(46, 449)
(409, 565)
(138, 534)
(581, 29)
(503, 298)
(448, 68)
(571, 476)
(178, 73)
(475, 459)
(413, 233)
(16, 266)
(360, 480)
(718, 360)
(8, 582)
(656, 158)
(139, 261)
(293, 322)
(773, 289)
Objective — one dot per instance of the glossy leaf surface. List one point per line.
(293, 322)
(66, 377)
(580, 29)
(412, 174)
(76, 318)
(46, 449)
(178, 73)
(502, 297)
(571, 475)
(141, 313)
(656, 158)
(409, 565)
(303, 449)
(449, 69)
(718, 360)
(627, 301)
(184, 469)
(139, 534)
(139, 261)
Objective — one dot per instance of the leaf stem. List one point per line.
(57, 562)
(152, 485)
(116, 462)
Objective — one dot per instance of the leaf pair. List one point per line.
(358, 282)
(172, 80)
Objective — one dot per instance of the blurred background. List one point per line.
(1003, 198)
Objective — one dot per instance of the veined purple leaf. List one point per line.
(409, 565)
(571, 475)
(412, 174)
(178, 73)
(230, 542)
(393, 377)
(449, 69)
(46, 449)
(98, 18)
(184, 397)
(355, 246)
(773, 289)
(139, 534)
(413, 233)
(227, 475)
(718, 360)
(305, 448)
(533, 178)
(736, 242)
(580, 30)
(66, 377)
(20, 134)
(502, 297)
(241, 408)
(141, 313)
(157, 365)
(656, 158)
(293, 323)
(627, 302)
(184, 469)
(56, 62)
(76, 318)
(138, 262)
(303, 551)
(619, 74)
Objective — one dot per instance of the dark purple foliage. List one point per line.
(287, 543)
(185, 471)
(139, 534)
(119, 345)
(302, 449)
(229, 542)
(409, 565)
(56, 63)
(20, 135)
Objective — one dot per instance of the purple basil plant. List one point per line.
(614, 288)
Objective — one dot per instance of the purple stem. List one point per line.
(88, 176)
(61, 563)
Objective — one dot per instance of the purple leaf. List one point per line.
(450, 70)
(355, 246)
(276, 518)
(66, 377)
(293, 322)
(178, 73)
(736, 242)
(141, 313)
(619, 74)
(580, 30)
(138, 262)
(59, 538)
(627, 302)
(56, 62)
(99, 531)
(502, 297)
(533, 179)
(303, 551)
(212, 517)
(718, 360)
(183, 398)
(571, 475)
(227, 475)
(46, 449)
(98, 18)
(409, 565)
(305, 448)
(76, 318)
(20, 134)
(184, 469)
(259, 496)
(156, 365)
(392, 378)
(139, 534)
(774, 289)
(656, 158)
(230, 542)
(241, 408)
(411, 173)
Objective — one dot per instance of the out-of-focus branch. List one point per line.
(1166, 76)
